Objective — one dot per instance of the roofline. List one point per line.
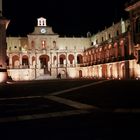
(133, 6)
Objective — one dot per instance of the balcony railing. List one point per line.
(18, 67)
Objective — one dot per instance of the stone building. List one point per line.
(115, 51)
(112, 53)
(44, 54)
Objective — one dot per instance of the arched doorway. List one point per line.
(80, 74)
(15, 61)
(62, 59)
(44, 59)
(25, 61)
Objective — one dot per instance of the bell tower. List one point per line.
(3, 46)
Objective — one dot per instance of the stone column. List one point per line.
(3, 47)
(10, 61)
(75, 59)
(20, 60)
(30, 60)
(57, 61)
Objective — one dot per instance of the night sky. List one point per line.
(67, 17)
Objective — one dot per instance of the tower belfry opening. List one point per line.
(41, 22)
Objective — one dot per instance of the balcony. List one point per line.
(62, 65)
(18, 67)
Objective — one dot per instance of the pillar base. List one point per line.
(3, 75)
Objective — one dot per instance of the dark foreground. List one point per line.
(26, 112)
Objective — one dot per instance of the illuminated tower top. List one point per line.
(41, 22)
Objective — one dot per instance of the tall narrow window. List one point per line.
(61, 60)
(43, 23)
(40, 22)
(32, 44)
(54, 44)
(43, 44)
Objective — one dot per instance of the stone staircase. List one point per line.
(45, 77)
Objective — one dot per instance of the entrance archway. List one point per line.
(25, 61)
(44, 59)
(62, 59)
(15, 61)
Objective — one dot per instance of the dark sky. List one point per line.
(67, 17)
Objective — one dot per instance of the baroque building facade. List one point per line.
(43, 53)
(112, 53)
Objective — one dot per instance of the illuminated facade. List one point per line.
(111, 53)
(44, 54)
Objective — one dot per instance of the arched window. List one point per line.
(15, 61)
(44, 59)
(32, 44)
(79, 59)
(25, 60)
(62, 58)
(71, 58)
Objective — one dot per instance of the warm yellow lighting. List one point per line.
(100, 71)
(3, 77)
(73, 74)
